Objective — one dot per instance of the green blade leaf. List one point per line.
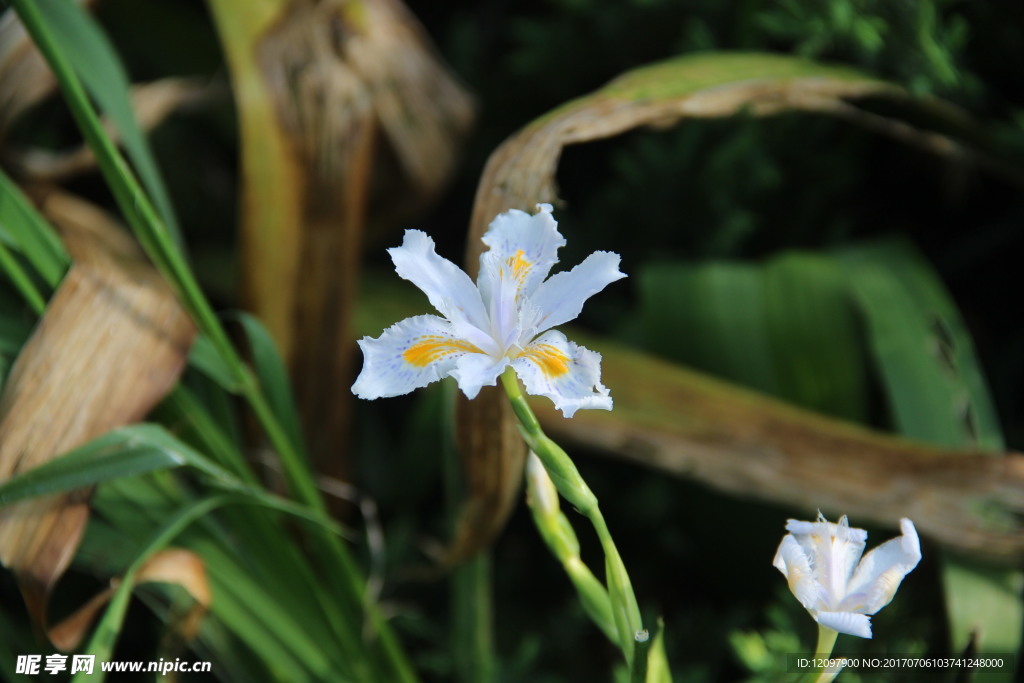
(784, 327)
(205, 357)
(930, 375)
(937, 393)
(125, 452)
(104, 77)
(891, 280)
(23, 228)
(272, 375)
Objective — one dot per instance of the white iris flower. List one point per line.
(504, 319)
(822, 562)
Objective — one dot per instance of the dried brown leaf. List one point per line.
(110, 345)
(326, 89)
(691, 425)
(486, 425)
(521, 173)
(174, 566)
(184, 568)
(152, 102)
(753, 446)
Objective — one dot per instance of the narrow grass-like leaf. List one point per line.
(21, 280)
(261, 618)
(22, 227)
(206, 358)
(159, 245)
(101, 645)
(927, 398)
(137, 449)
(950, 348)
(657, 661)
(207, 430)
(253, 598)
(104, 76)
(240, 550)
(124, 452)
(272, 375)
(937, 394)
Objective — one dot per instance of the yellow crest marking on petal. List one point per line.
(430, 348)
(552, 361)
(519, 265)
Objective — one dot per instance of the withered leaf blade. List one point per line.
(485, 425)
(327, 90)
(690, 425)
(173, 566)
(750, 445)
(184, 568)
(521, 173)
(112, 342)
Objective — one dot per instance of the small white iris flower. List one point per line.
(504, 319)
(822, 562)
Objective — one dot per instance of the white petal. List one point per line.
(792, 561)
(523, 248)
(880, 573)
(474, 371)
(833, 551)
(408, 355)
(568, 374)
(449, 289)
(846, 622)
(560, 299)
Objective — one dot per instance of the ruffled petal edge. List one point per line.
(408, 355)
(568, 374)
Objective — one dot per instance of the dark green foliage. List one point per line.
(768, 203)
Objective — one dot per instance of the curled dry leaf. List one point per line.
(180, 567)
(110, 345)
(173, 566)
(485, 425)
(521, 173)
(326, 90)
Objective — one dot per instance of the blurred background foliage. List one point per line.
(717, 221)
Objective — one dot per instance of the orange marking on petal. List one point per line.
(519, 265)
(430, 348)
(552, 361)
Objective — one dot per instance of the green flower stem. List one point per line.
(560, 538)
(826, 641)
(155, 239)
(572, 487)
